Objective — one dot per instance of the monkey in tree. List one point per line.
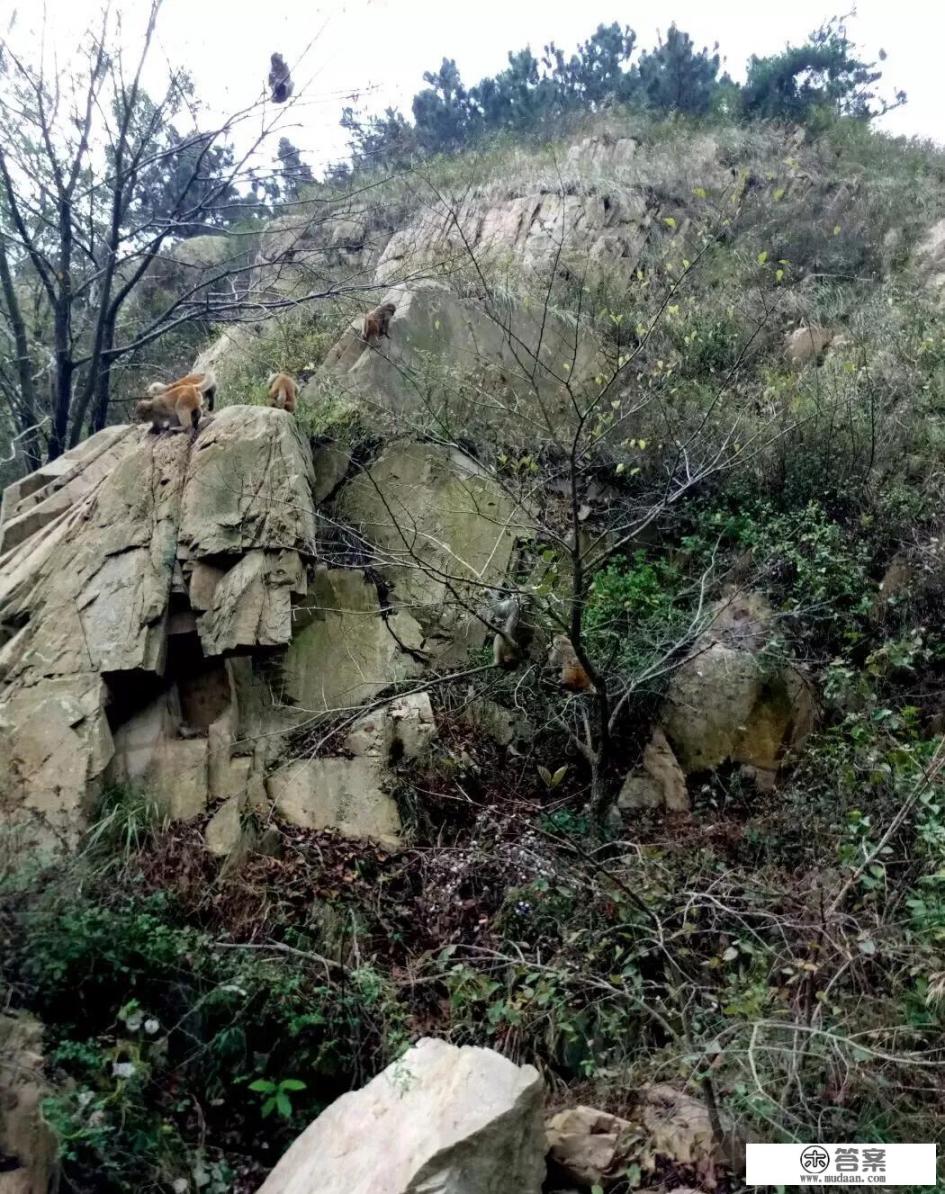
(283, 392)
(510, 641)
(573, 675)
(280, 81)
(377, 322)
(182, 403)
(206, 383)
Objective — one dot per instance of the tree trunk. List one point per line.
(103, 382)
(27, 412)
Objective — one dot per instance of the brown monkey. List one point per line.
(206, 382)
(280, 81)
(573, 674)
(282, 391)
(183, 403)
(377, 322)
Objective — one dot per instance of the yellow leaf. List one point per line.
(699, 192)
(836, 229)
(778, 275)
(762, 256)
(669, 222)
(778, 194)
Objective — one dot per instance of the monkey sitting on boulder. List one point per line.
(283, 392)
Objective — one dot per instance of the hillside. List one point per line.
(658, 426)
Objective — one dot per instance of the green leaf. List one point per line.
(762, 256)
(778, 275)
(262, 1086)
(545, 775)
(699, 192)
(268, 1107)
(292, 1084)
(283, 1105)
(559, 776)
(669, 222)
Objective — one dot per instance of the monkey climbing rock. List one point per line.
(377, 322)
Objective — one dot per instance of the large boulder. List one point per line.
(442, 1119)
(439, 529)
(454, 364)
(729, 703)
(336, 793)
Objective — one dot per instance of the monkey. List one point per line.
(282, 391)
(573, 676)
(377, 322)
(206, 382)
(280, 81)
(506, 647)
(183, 403)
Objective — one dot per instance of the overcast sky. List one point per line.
(377, 50)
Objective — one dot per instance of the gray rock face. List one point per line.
(442, 1120)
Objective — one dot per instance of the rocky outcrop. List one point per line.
(729, 703)
(27, 1146)
(439, 529)
(597, 204)
(165, 623)
(445, 1119)
(488, 367)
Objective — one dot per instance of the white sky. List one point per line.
(378, 49)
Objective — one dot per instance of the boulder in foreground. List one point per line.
(442, 1120)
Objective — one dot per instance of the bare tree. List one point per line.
(97, 184)
(558, 422)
